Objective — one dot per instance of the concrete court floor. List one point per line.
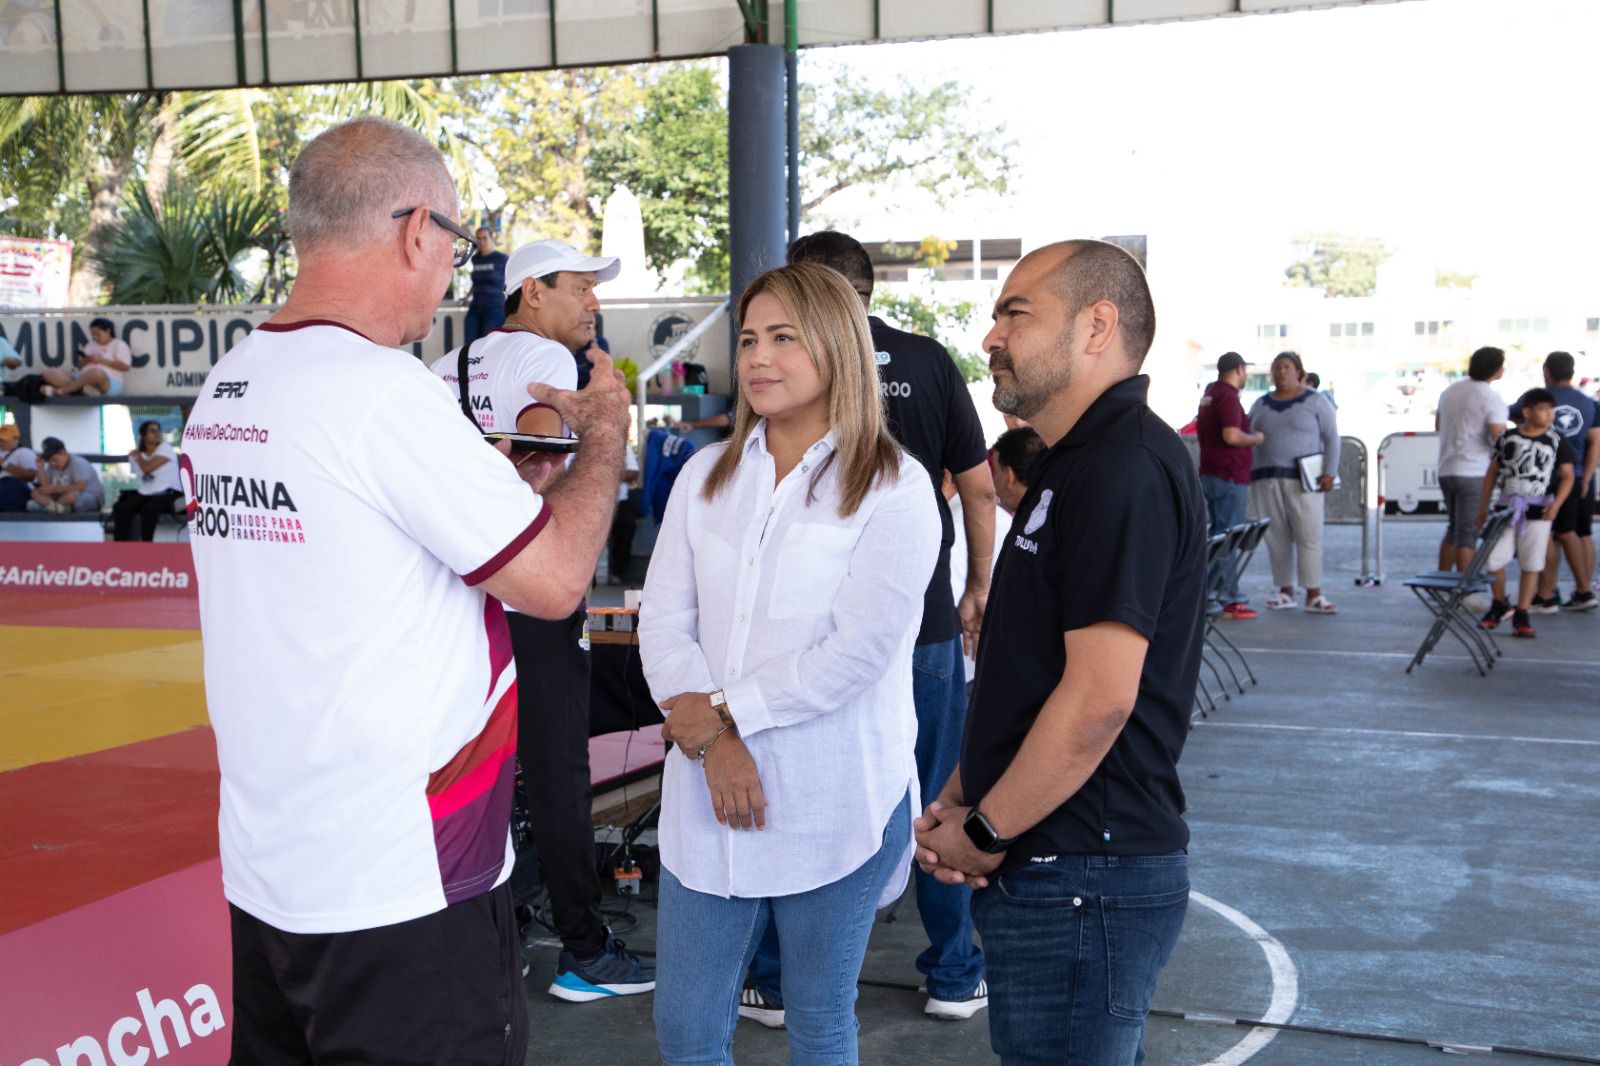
(1423, 849)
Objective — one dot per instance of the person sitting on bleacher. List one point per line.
(18, 466)
(159, 487)
(67, 483)
(98, 367)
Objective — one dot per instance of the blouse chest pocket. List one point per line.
(812, 561)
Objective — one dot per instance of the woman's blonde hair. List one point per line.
(827, 314)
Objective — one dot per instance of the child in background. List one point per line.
(1532, 468)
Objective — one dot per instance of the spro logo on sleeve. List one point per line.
(230, 390)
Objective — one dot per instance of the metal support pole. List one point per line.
(792, 65)
(756, 153)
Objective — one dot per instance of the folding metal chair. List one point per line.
(1246, 540)
(1444, 593)
(1217, 556)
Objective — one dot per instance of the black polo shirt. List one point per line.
(931, 414)
(1112, 529)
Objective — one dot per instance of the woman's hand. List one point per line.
(735, 784)
(692, 723)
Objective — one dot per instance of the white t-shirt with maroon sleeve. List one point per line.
(361, 686)
(500, 367)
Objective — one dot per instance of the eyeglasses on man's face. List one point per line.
(466, 245)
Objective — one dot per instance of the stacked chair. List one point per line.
(1444, 594)
(1228, 554)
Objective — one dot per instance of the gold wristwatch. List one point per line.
(719, 703)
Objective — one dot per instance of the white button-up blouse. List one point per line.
(807, 621)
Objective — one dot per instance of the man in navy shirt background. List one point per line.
(1066, 813)
(1572, 534)
(486, 303)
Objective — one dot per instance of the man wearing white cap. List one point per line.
(550, 313)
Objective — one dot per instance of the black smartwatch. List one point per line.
(982, 834)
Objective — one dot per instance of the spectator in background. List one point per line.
(1532, 469)
(1225, 439)
(551, 308)
(486, 301)
(67, 484)
(159, 488)
(1297, 422)
(1572, 532)
(98, 368)
(18, 467)
(1013, 451)
(1470, 418)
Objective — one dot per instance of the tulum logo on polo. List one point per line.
(1040, 513)
(158, 1026)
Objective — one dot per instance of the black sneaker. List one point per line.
(1581, 601)
(1494, 615)
(1546, 604)
(760, 1007)
(958, 1009)
(1520, 625)
(616, 971)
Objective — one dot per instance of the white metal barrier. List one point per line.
(1408, 484)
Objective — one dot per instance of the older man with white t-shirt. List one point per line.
(550, 314)
(354, 539)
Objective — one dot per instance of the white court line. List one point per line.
(1285, 983)
(1397, 733)
(1406, 655)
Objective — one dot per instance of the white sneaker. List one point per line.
(959, 1009)
(758, 1008)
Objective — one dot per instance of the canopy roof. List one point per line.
(81, 46)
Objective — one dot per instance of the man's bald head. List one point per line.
(1085, 272)
(349, 179)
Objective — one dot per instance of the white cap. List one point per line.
(553, 257)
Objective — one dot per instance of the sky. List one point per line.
(1459, 130)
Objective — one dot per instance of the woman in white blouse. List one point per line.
(777, 625)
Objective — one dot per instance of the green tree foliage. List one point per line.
(1452, 279)
(1338, 264)
(185, 249)
(673, 154)
(927, 315)
(854, 133)
(536, 153)
(65, 160)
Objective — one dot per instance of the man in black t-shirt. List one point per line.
(932, 415)
(1066, 811)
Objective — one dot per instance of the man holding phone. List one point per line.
(550, 313)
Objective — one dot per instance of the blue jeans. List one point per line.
(480, 321)
(704, 944)
(1075, 946)
(1227, 503)
(952, 963)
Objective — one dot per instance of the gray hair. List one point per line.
(348, 180)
